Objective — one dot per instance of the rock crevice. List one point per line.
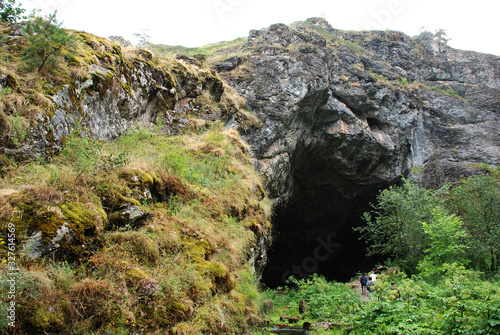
(346, 114)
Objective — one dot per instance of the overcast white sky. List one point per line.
(471, 25)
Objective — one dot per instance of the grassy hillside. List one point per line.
(184, 270)
(149, 233)
(213, 52)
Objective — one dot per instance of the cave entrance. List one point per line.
(314, 231)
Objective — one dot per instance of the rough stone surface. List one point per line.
(229, 64)
(36, 249)
(118, 97)
(344, 115)
(341, 116)
(128, 216)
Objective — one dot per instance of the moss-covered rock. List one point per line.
(89, 217)
(157, 185)
(46, 224)
(47, 319)
(214, 86)
(134, 275)
(114, 195)
(135, 177)
(129, 216)
(8, 80)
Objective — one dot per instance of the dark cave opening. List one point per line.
(314, 232)
(374, 124)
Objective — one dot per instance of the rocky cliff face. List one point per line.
(116, 93)
(341, 116)
(344, 115)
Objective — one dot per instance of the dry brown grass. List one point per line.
(39, 194)
(139, 244)
(194, 246)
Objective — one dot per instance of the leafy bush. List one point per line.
(394, 226)
(87, 156)
(458, 304)
(325, 299)
(477, 201)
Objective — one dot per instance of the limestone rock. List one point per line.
(345, 114)
(128, 216)
(229, 64)
(120, 95)
(35, 248)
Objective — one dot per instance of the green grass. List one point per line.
(449, 92)
(214, 51)
(184, 269)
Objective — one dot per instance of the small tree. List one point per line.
(441, 36)
(394, 227)
(144, 38)
(447, 237)
(46, 39)
(10, 11)
(477, 201)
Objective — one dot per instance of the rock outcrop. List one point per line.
(114, 93)
(340, 114)
(344, 115)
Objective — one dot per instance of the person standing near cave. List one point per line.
(363, 280)
(369, 285)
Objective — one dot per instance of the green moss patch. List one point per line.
(113, 196)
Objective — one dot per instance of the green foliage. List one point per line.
(186, 268)
(87, 156)
(19, 128)
(446, 237)
(450, 92)
(445, 296)
(206, 168)
(394, 227)
(477, 201)
(446, 244)
(457, 304)
(10, 11)
(441, 36)
(6, 91)
(412, 225)
(325, 300)
(46, 39)
(353, 46)
(143, 37)
(216, 50)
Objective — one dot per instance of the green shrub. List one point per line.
(10, 11)
(46, 39)
(88, 157)
(325, 299)
(450, 92)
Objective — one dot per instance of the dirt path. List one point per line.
(356, 286)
